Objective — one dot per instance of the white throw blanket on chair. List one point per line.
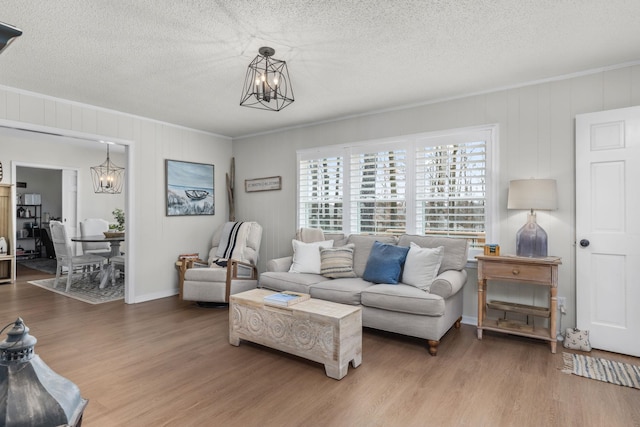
(233, 241)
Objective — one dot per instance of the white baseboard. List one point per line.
(155, 295)
(469, 320)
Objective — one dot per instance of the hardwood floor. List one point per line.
(169, 363)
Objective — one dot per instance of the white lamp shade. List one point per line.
(534, 194)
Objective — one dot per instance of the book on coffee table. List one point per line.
(285, 299)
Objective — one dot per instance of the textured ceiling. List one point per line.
(184, 62)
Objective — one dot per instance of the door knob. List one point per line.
(584, 243)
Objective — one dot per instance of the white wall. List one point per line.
(536, 140)
(46, 182)
(154, 239)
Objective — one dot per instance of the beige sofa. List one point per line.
(398, 308)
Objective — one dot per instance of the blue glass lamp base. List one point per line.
(531, 239)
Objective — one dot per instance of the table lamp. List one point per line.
(532, 194)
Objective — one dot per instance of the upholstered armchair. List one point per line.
(231, 265)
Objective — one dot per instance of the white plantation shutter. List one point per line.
(320, 193)
(378, 191)
(451, 190)
(437, 183)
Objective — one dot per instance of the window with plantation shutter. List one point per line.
(451, 190)
(437, 183)
(320, 192)
(378, 191)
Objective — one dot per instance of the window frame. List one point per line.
(410, 143)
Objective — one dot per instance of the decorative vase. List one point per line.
(531, 239)
(3, 246)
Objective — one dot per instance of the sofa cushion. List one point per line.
(363, 244)
(421, 266)
(310, 235)
(402, 298)
(343, 291)
(337, 262)
(339, 239)
(385, 263)
(306, 256)
(284, 281)
(456, 251)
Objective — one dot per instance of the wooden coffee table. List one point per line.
(322, 331)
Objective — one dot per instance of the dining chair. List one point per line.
(66, 258)
(118, 265)
(95, 227)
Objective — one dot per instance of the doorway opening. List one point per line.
(44, 150)
(38, 200)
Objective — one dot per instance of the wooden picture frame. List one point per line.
(263, 184)
(189, 188)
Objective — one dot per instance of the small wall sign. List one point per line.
(263, 184)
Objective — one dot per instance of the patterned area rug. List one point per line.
(602, 370)
(84, 289)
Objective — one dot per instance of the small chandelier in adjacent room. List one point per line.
(267, 85)
(107, 177)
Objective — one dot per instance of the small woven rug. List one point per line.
(84, 289)
(601, 369)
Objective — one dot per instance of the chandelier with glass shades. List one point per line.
(267, 85)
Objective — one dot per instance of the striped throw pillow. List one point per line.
(337, 262)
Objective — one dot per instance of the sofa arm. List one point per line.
(448, 283)
(280, 264)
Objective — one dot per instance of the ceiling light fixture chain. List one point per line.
(267, 85)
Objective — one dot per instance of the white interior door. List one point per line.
(608, 228)
(70, 201)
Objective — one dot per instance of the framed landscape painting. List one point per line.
(189, 188)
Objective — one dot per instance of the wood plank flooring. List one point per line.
(169, 363)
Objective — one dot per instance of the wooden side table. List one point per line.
(182, 265)
(539, 271)
(7, 267)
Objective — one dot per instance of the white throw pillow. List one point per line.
(421, 266)
(306, 256)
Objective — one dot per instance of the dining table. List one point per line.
(114, 242)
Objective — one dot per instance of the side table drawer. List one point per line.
(529, 273)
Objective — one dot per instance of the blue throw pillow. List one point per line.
(385, 262)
